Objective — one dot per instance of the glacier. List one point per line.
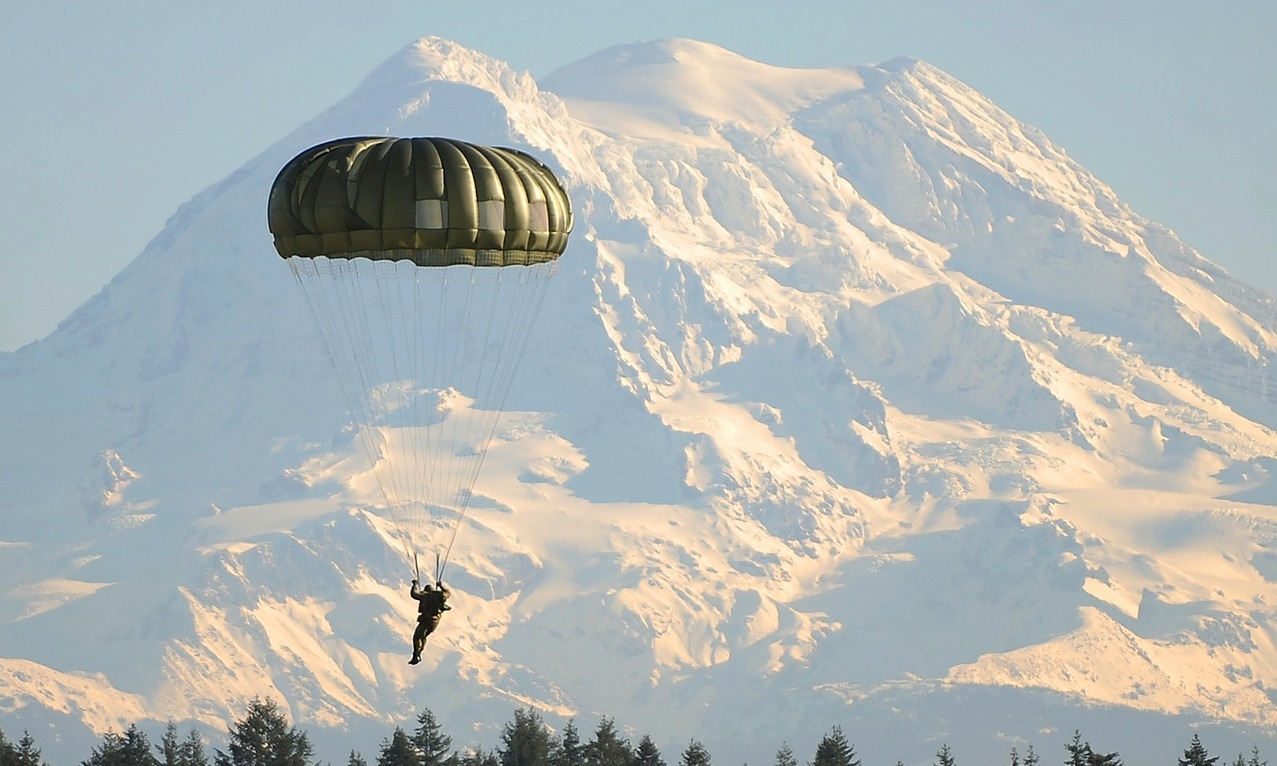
(855, 401)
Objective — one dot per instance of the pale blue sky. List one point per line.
(116, 113)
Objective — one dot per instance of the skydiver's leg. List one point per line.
(418, 642)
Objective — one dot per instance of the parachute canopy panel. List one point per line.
(432, 201)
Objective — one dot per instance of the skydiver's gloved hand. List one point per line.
(415, 583)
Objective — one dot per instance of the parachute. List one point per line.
(423, 262)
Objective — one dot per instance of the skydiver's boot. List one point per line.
(415, 659)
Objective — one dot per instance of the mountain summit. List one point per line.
(854, 401)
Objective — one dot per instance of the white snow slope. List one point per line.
(854, 402)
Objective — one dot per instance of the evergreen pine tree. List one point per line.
(137, 748)
(26, 753)
(264, 738)
(106, 752)
(1030, 757)
(1079, 753)
(433, 746)
(785, 755)
(944, 757)
(170, 747)
(694, 755)
(568, 750)
(398, 750)
(1102, 759)
(175, 752)
(128, 749)
(1241, 760)
(1196, 755)
(191, 752)
(835, 750)
(647, 754)
(7, 751)
(608, 747)
(525, 741)
(356, 759)
(479, 757)
(1254, 757)
(1015, 757)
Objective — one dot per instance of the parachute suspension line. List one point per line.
(515, 330)
(443, 367)
(451, 430)
(373, 346)
(415, 350)
(324, 295)
(402, 294)
(369, 348)
(416, 353)
(479, 319)
(359, 371)
(531, 290)
(385, 345)
(457, 430)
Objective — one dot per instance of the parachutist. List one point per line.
(432, 602)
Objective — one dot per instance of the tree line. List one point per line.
(263, 737)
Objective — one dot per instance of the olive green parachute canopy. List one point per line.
(432, 201)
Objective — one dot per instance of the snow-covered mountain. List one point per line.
(855, 401)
